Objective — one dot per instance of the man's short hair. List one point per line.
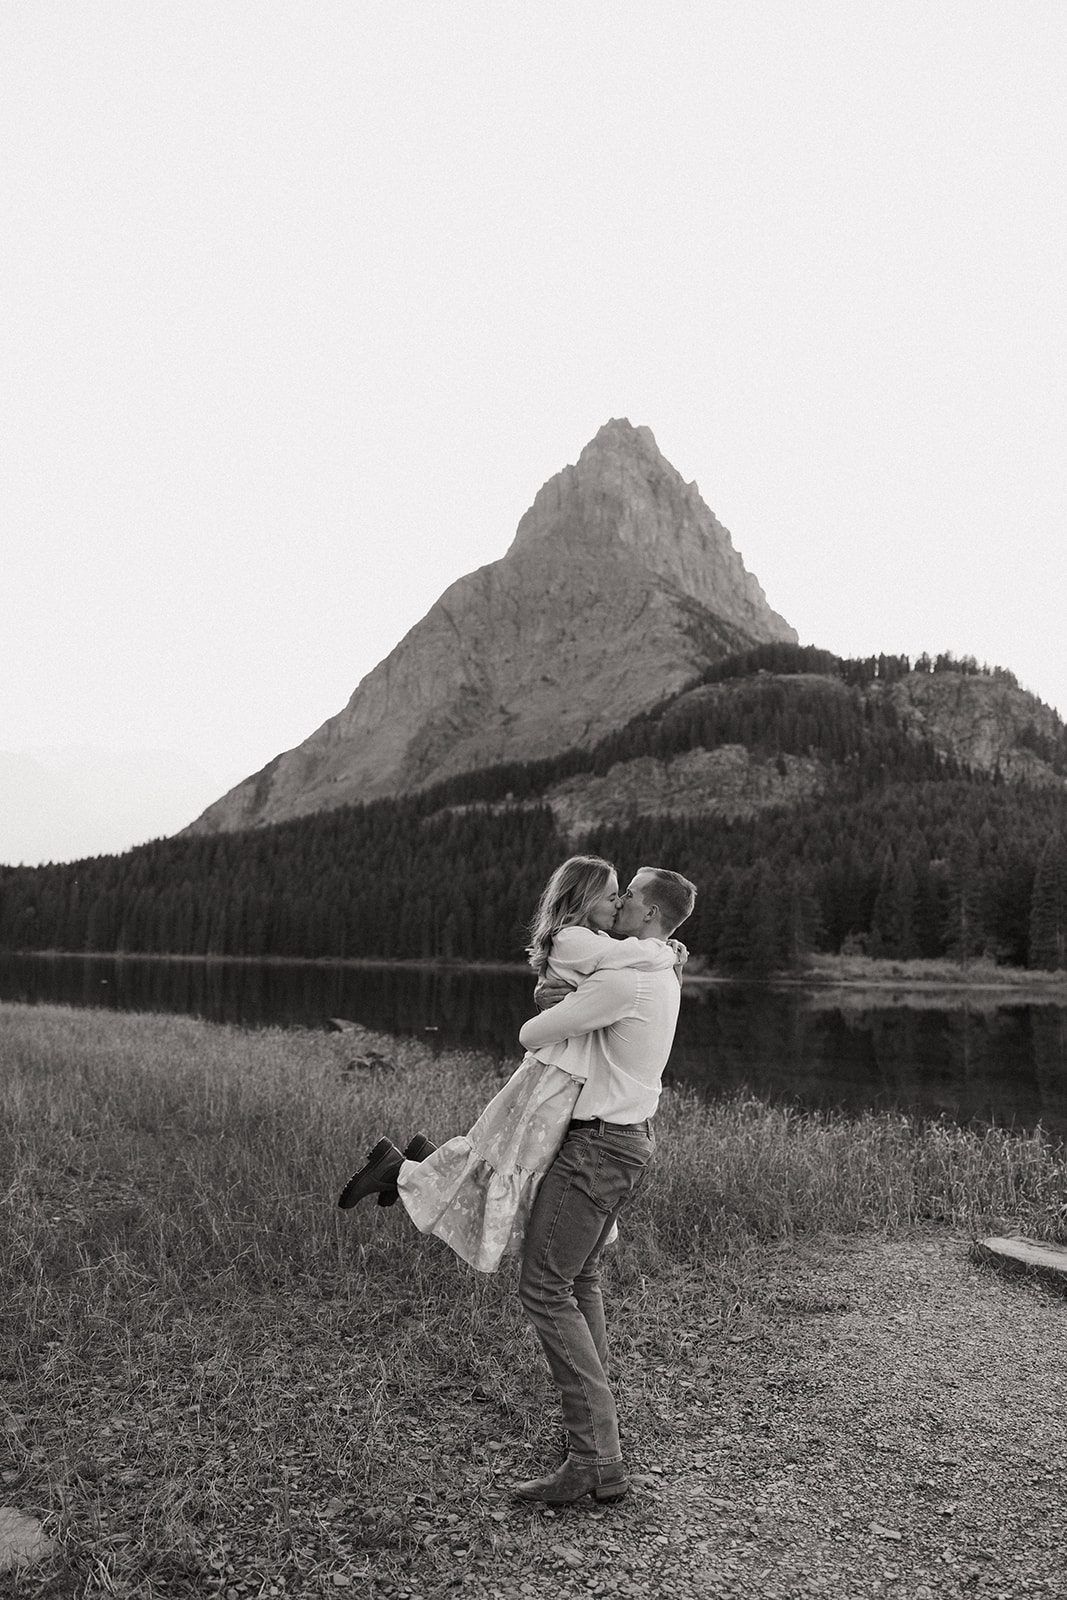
(674, 895)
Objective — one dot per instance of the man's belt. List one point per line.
(612, 1127)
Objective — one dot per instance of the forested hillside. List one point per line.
(904, 853)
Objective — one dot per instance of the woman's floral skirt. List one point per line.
(476, 1192)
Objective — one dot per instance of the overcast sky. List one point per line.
(303, 302)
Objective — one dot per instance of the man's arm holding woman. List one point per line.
(603, 998)
(550, 990)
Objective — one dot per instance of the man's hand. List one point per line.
(550, 991)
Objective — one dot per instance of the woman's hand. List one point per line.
(681, 956)
(550, 991)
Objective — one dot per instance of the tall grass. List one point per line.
(742, 1170)
(175, 1150)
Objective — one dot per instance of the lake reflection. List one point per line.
(991, 1062)
(1004, 1064)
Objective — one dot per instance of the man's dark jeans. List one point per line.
(596, 1174)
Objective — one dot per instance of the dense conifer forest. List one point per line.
(905, 854)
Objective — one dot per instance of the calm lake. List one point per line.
(969, 1057)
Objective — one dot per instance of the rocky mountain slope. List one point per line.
(729, 781)
(619, 589)
(982, 721)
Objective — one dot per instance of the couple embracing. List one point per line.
(560, 1152)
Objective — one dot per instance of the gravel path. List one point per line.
(892, 1423)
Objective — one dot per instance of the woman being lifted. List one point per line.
(476, 1191)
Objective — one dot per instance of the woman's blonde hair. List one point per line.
(572, 889)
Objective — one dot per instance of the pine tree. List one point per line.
(893, 917)
(1048, 907)
(963, 930)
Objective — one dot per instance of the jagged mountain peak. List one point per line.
(601, 494)
(529, 656)
(623, 499)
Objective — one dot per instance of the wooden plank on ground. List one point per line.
(1026, 1255)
